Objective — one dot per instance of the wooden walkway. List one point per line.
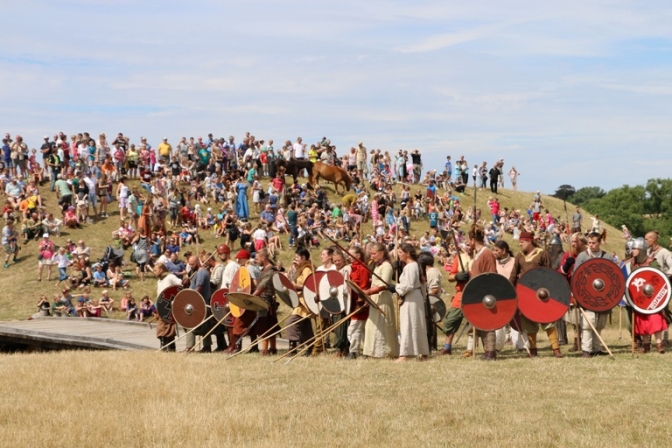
(86, 334)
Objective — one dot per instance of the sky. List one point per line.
(570, 92)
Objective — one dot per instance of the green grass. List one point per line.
(21, 290)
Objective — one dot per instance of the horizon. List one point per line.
(571, 96)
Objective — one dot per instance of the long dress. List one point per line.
(242, 209)
(413, 324)
(380, 332)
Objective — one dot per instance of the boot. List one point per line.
(489, 356)
(586, 355)
(233, 344)
(557, 353)
(446, 351)
(533, 352)
(646, 348)
(661, 347)
(575, 347)
(467, 354)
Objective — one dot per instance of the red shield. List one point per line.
(164, 303)
(648, 290)
(489, 301)
(311, 289)
(598, 285)
(189, 308)
(543, 295)
(219, 305)
(331, 292)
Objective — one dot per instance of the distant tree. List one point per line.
(624, 205)
(564, 191)
(658, 199)
(585, 194)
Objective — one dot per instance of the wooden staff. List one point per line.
(318, 321)
(185, 333)
(620, 323)
(355, 258)
(595, 331)
(209, 332)
(475, 347)
(314, 339)
(633, 333)
(261, 338)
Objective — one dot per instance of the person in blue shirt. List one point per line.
(449, 167)
(433, 218)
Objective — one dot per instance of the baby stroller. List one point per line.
(110, 256)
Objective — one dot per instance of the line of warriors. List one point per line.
(405, 328)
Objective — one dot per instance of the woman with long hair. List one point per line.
(411, 290)
(380, 332)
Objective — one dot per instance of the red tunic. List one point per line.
(362, 277)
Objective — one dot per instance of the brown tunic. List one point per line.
(538, 258)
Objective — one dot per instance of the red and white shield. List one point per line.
(648, 290)
(311, 290)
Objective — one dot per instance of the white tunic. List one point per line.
(380, 332)
(413, 324)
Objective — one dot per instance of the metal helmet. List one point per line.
(628, 247)
(639, 243)
(223, 249)
(555, 241)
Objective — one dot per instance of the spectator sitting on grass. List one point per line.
(106, 302)
(99, 277)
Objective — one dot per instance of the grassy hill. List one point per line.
(21, 290)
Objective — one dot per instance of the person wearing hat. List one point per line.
(646, 325)
(200, 281)
(532, 257)
(361, 160)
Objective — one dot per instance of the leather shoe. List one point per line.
(446, 351)
(557, 353)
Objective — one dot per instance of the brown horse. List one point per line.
(332, 174)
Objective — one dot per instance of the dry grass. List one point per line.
(21, 290)
(149, 399)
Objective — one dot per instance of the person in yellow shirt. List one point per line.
(165, 150)
(313, 154)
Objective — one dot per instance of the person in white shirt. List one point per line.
(298, 149)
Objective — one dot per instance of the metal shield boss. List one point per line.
(311, 289)
(164, 303)
(241, 282)
(189, 308)
(437, 308)
(648, 290)
(285, 291)
(489, 301)
(598, 285)
(543, 295)
(331, 288)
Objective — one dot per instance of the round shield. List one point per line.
(362, 295)
(543, 295)
(311, 288)
(285, 290)
(164, 303)
(648, 290)
(489, 301)
(219, 305)
(598, 285)
(438, 308)
(189, 308)
(331, 292)
(247, 301)
(241, 282)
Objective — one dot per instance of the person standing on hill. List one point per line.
(577, 220)
(417, 165)
(494, 178)
(165, 150)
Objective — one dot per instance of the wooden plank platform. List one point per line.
(87, 334)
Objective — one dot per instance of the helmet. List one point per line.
(243, 254)
(628, 247)
(555, 241)
(223, 249)
(639, 243)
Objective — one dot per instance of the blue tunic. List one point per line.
(242, 210)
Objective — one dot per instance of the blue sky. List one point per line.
(573, 92)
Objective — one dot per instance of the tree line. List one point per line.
(641, 208)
